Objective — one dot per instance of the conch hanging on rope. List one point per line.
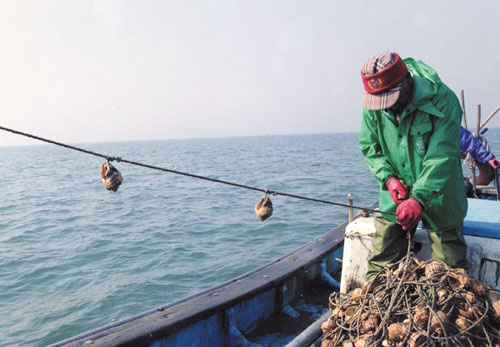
(264, 209)
(111, 177)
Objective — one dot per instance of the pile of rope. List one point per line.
(414, 303)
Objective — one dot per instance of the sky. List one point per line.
(98, 71)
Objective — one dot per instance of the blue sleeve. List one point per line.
(469, 144)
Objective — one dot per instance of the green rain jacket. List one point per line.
(423, 149)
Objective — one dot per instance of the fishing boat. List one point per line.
(285, 302)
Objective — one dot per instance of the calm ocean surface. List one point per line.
(74, 257)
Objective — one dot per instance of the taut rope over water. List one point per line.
(119, 159)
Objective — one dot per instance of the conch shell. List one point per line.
(417, 339)
(111, 177)
(421, 318)
(458, 279)
(470, 297)
(264, 209)
(442, 295)
(434, 267)
(363, 340)
(462, 323)
(328, 325)
(476, 286)
(351, 313)
(438, 320)
(494, 300)
(371, 323)
(397, 331)
(357, 294)
(465, 310)
(327, 343)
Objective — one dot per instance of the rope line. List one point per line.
(119, 159)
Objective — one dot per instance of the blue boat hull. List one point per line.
(226, 314)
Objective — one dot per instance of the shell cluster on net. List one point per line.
(111, 177)
(264, 208)
(414, 303)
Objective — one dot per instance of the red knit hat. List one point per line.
(382, 77)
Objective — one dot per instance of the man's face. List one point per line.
(404, 96)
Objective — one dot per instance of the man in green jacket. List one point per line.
(410, 139)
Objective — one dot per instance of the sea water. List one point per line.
(74, 256)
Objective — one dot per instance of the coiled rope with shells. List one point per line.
(415, 303)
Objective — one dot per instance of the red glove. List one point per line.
(397, 190)
(409, 213)
(494, 163)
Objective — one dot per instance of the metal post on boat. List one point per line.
(490, 116)
(462, 99)
(473, 163)
(497, 183)
(350, 203)
(478, 123)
